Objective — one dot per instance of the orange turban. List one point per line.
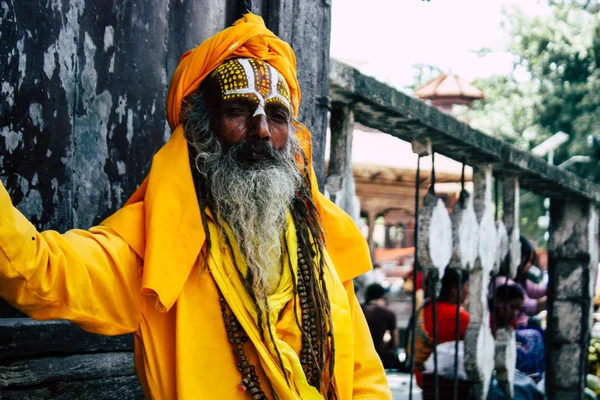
(248, 37)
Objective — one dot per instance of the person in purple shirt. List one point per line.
(535, 294)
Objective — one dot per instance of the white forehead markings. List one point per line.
(274, 92)
(251, 89)
(249, 72)
(259, 111)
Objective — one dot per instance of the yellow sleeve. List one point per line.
(370, 381)
(88, 277)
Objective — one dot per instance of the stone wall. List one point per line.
(82, 93)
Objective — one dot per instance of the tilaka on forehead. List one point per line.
(251, 78)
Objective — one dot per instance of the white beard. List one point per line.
(253, 201)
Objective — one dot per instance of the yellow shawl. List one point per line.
(227, 278)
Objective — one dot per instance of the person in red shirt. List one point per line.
(447, 304)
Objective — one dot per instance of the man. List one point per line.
(381, 320)
(227, 264)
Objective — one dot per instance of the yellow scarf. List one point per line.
(229, 282)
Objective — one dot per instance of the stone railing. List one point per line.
(471, 238)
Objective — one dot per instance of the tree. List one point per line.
(560, 56)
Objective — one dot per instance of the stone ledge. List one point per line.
(25, 337)
(382, 107)
(42, 371)
(121, 387)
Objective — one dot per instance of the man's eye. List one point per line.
(278, 116)
(236, 109)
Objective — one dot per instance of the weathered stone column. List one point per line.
(479, 342)
(505, 351)
(372, 216)
(340, 182)
(572, 264)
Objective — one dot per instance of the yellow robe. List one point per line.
(141, 272)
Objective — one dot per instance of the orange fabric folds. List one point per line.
(248, 37)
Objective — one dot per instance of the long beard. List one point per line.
(253, 197)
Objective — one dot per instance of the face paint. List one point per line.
(252, 79)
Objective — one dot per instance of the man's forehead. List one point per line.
(243, 77)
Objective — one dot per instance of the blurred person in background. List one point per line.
(453, 283)
(534, 300)
(382, 322)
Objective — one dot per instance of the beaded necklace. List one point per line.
(310, 344)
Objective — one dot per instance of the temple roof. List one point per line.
(448, 86)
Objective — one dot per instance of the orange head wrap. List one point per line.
(248, 37)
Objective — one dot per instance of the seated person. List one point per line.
(534, 300)
(530, 342)
(381, 320)
(447, 304)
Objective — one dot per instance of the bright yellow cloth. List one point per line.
(232, 288)
(141, 272)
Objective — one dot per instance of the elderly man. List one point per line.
(229, 267)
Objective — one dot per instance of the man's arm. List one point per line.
(370, 381)
(88, 277)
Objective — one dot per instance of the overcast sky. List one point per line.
(384, 38)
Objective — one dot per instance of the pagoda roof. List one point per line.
(448, 86)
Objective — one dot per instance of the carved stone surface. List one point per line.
(106, 375)
(25, 337)
(465, 233)
(479, 357)
(572, 256)
(505, 360)
(435, 235)
(118, 387)
(479, 341)
(30, 372)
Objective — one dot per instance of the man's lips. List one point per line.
(252, 152)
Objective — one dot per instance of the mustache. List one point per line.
(253, 151)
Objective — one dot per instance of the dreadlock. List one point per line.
(310, 237)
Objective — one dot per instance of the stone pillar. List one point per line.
(572, 265)
(506, 346)
(340, 182)
(372, 216)
(479, 342)
(388, 240)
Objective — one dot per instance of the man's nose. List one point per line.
(260, 128)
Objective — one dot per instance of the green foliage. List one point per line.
(555, 86)
(560, 55)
